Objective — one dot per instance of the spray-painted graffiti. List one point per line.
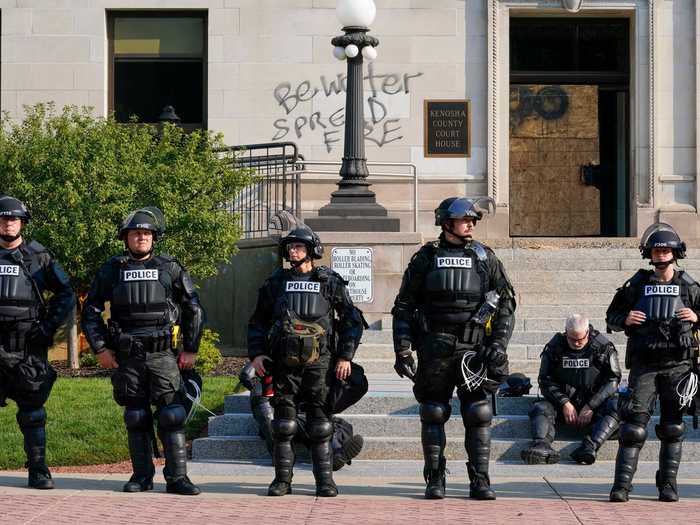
(379, 128)
(550, 103)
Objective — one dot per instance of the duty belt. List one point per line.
(468, 333)
(136, 346)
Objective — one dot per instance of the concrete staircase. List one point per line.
(550, 285)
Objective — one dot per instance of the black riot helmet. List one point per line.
(661, 235)
(461, 207)
(148, 218)
(11, 207)
(516, 385)
(305, 235)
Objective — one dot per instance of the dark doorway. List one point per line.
(556, 54)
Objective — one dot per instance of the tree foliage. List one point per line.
(80, 176)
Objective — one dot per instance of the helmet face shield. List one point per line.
(305, 235)
(148, 218)
(661, 235)
(462, 208)
(11, 207)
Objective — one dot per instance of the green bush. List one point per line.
(88, 359)
(80, 175)
(208, 356)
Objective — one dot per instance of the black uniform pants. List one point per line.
(646, 383)
(147, 378)
(544, 417)
(307, 385)
(26, 377)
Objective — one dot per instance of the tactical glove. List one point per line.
(404, 365)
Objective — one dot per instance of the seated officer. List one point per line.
(578, 379)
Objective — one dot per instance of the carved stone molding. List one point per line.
(498, 82)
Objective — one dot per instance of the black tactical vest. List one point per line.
(18, 300)
(578, 368)
(661, 330)
(456, 283)
(305, 295)
(141, 294)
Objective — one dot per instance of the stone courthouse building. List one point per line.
(579, 123)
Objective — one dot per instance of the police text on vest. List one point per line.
(9, 269)
(454, 262)
(302, 286)
(662, 289)
(575, 363)
(140, 275)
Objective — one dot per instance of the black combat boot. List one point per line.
(625, 467)
(141, 453)
(32, 422)
(478, 444)
(283, 456)
(175, 471)
(344, 454)
(320, 432)
(586, 453)
(669, 460)
(540, 452)
(433, 439)
(435, 480)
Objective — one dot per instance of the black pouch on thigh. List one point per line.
(437, 346)
(31, 380)
(125, 389)
(300, 342)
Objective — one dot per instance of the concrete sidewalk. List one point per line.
(370, 492)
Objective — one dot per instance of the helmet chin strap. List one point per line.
(464, 238)
(296, 264)
(662, 265)
(10, 238)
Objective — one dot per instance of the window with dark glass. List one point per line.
(158, 59)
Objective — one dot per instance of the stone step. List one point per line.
(389, 448)
(566, 299)
(563, 277)
(375, 425)
(583, 263)
(515, 352)
(395, 403)
(529, 367)
(409, 425)
(560, 311)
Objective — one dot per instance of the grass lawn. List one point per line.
(85, 425)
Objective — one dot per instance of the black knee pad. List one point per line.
(434, 413)
(319, 429)
(137, 419)
(670, 432)
(31, 418)
(632, 435)
(284, 429)
(477, 414)
(542, 408)
(172, 417)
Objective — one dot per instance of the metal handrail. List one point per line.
(414, 175)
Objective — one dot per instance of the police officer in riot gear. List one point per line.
(148, 293)
(658, 310)
(304, 319)
(345, 444)
(456, 308)
(579, 374)
(27, 327)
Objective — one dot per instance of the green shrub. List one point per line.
(88, 359)
(209, 356)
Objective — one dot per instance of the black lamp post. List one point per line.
(353, 206)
